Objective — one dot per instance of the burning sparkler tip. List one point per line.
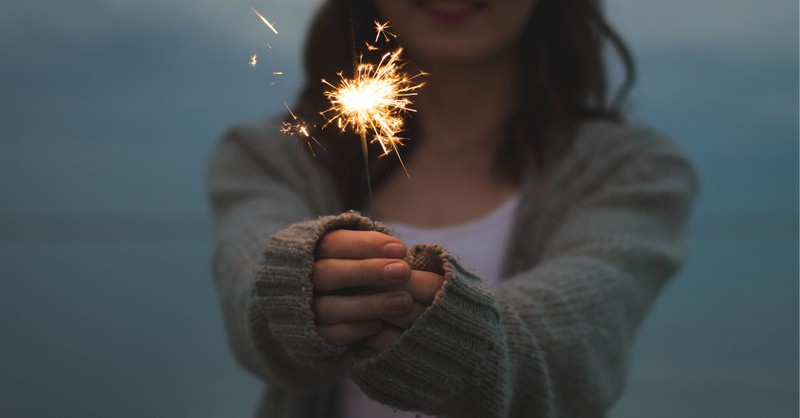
(373, 101)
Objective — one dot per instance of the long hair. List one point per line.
(564, 75)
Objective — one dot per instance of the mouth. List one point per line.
(452, 11)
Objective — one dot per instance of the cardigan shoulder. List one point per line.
(603, 154)
(250, 158)
(606, 142)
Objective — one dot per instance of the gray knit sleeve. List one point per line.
(280, 314)
(446, 363)
(552, 340)
(267, 196)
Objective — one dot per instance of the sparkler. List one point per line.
(264, 19)
(373, 101)
(380, 29)
(254, 58)
(299, 128)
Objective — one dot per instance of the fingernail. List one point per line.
(398, 304)
(395, 271)
(394, 250)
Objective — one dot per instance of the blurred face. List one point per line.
(457, 31)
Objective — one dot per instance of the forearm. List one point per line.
(259, 186)
(525, 348)
(242, 239)
(553, 339)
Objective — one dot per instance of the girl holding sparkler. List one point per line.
(507, 275)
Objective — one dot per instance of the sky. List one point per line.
(109, 110)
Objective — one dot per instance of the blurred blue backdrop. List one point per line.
(109, 110)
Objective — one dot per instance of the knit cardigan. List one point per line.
(594, 239)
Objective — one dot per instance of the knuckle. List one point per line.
(318, 270)
(330, 335)
(322, 310)
(407, 319)
(347, 333)
(363, 243)
(363, 272)
(324, 244)
(433, 283)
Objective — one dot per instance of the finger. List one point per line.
(334, 309)
(344, 243)
(348, 332)
(381, 341)
(422, 285)
(333, 273)
(407, 319)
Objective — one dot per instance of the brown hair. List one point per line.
(563, 70)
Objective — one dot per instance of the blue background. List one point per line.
(108, 113)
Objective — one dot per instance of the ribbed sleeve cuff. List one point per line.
(446, 350)
(283, 292)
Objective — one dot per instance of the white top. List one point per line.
(480, 246)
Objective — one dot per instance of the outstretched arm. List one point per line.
(552, 340)
(259, 184)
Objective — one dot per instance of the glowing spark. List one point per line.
(374, 100)
(380, 29)
(299, 128)
(277, 73)
(264, 19)
(253, 60)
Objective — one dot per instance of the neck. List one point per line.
(466, 107)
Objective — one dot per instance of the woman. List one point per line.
(551, 225)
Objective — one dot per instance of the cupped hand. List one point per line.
(346, 264)
(423, 286)
(362, 283)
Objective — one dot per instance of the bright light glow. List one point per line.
(264, 19)
(374, 100)
(299, 128)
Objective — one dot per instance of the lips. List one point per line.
(451, 11)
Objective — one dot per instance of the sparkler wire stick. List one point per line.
(363, 133)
